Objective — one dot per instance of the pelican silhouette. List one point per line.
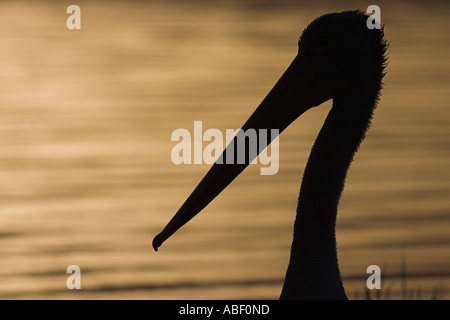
(339, 58)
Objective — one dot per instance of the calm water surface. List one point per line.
(87, 179)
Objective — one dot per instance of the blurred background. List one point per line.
(86, 174)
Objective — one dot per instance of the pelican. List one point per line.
(339, 58)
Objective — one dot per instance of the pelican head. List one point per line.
(338, 56)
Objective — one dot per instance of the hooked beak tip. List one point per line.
(156, 243)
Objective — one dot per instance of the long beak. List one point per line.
(294, 93)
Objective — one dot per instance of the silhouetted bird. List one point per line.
(339, 58)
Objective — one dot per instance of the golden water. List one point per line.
(87, 179)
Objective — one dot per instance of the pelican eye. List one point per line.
(322, 42)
